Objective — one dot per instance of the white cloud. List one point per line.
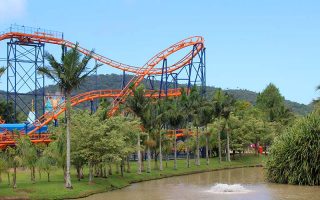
(12, 9)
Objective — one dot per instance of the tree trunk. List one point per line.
(219, 146)
(156, 167)
(167, 160)
(78, 173)
(207, 148)
(128, 165)
(68, 159)
(39, 172)
(142, 160)
(0, 177)
(81, 173)
(198, 148)
(175, 149)
(33, 174)
(122, 167)
(48, 173)
(188, 157)
(148, 156)
(160, 151)
(90, 173)
(228, 145)
(101, 170)
(14, 177)
(8, 175)
(139, 155)
(117, 168)
(105, 172)
(110, 169)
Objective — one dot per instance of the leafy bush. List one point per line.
(295, 154)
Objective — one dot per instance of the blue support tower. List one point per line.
(24, 83)
(188, 76)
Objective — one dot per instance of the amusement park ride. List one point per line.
(25, 54)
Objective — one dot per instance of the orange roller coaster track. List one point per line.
(149, 68)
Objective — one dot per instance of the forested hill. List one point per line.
(113, 81)
(250, 96)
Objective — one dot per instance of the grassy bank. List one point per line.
(55, 189)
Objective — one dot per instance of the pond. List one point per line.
(233, 184)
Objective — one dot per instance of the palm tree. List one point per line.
(138, 104)
(187, 102)
(223, 105)
(205, 115)
(69, 74)
(149, 117)
(175, 118)
(198, 108)
(155, 119)
(162, 120)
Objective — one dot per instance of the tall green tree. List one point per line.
(206, 115)
(202, 116)
(47, 162)
(223, 104)
(69, 74)
(176, 119)
(197, 110)
(28, 155)
(15, 160)
(187, 103)
(155, 118)
(272, 103)
(138, 104)
(5, 164)
(162, 120)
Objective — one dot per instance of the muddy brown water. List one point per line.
(232, 184)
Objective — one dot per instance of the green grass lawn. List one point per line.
(55, 189)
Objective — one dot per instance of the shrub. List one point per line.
(295, 154)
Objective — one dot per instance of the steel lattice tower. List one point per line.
(24, 83)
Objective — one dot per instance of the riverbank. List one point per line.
(55, 188)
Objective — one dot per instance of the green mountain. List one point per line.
(114, 81)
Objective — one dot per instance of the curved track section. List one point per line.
(47, 38)
(149, 68)
(88, 96)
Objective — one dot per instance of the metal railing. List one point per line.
(32, 30)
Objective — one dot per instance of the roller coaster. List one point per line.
(188, 70)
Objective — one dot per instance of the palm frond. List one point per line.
(2, 70)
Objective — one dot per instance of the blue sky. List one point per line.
(250, 43)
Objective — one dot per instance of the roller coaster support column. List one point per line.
(197, 71)
(96, 101)
(123, 79)
(92, 107)
(190, 70)
(151, 80)
(164, 72)
(203, 71)
(23, 61)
